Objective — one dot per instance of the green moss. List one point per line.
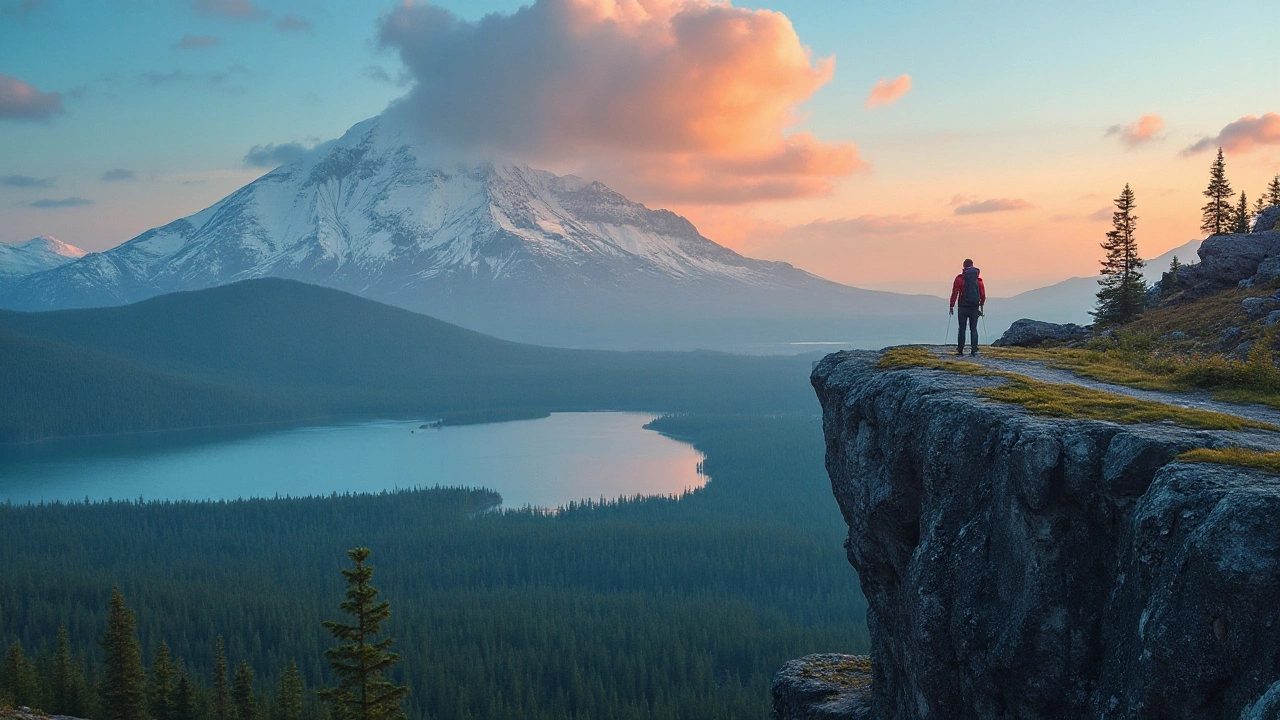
(848, 670)
(1059, 400)
(1235, 456)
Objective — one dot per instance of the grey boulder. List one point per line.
(1029, 333)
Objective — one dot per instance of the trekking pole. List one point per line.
(947, 331)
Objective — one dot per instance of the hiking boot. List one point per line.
(973, 353)
(960, 352)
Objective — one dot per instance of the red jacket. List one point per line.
(957, 288)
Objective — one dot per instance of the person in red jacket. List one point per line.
(972, 296)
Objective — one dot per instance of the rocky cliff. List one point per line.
(1023, 567)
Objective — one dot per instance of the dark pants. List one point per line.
(969, 314)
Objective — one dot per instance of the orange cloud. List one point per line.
(1138, 132)
(1242, 135)
(887, 92)
(687, 98)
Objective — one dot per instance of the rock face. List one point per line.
(1029, 333)
(823, 687)
(1226, 260)
(1268, 219)
(1020, 567)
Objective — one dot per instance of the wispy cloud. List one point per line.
(294, 23)
(272, 155)
(678, 100)
(20, 9)
(887, 92)
(1139, 132)
(196, 42)
(62, 202)
(20, 101)
(1101, 215)
(1242, 135)
(26, 181)
(234, 9)
(117, 174)
(979, 207)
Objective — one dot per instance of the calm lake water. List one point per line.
(546, 462)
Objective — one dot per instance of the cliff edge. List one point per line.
(1019, 566)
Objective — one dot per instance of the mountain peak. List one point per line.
(35, 255)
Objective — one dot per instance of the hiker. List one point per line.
(971, 293)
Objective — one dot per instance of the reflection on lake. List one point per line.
(546, 462)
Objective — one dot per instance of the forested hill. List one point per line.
(276, 349)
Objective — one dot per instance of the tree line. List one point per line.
(125, 690)
(1122, 295)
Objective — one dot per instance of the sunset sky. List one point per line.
(873, 143)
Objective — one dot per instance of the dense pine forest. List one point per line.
(642, 608)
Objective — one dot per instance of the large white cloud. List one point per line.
(687, 100)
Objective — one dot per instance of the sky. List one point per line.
(873, 143)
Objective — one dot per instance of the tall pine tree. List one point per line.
(1273, 191)
(221, 689)
(186, 700)
(160, 691)
(289, 694)
(359, 661)
(1242, 217)
(123, 687)
(242, 692)
(18, 680)
(1217, 213)
(1123, 293)
(69, 691)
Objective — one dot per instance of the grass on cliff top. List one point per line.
(848, 670)
(1066, 401)
(1143, 354)
(1234, 456)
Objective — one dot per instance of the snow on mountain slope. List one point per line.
(495, 246)
(33, 256)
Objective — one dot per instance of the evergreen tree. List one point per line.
(1217, 213)
(1273, 191)
(123, 687)
(289, 694)
(18, 680)
(1122, 296)
(1242, 217)
(68, 691)
(1170, 283)
(359, 662)
(221, 690)
(161, 690)
(242, 692)
(186, 703)
(1260, 204)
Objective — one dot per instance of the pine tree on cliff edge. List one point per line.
(1217, 213)
(362, 692)
(1273, 191)
(1123, 294)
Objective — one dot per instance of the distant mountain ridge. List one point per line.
(35, 255)
(497, 247)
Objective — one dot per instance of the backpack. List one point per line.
(971, 296)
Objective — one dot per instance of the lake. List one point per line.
(545, 462)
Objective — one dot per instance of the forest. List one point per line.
(640, 608)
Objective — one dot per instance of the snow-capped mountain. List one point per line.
(498, 247)
(35, 255)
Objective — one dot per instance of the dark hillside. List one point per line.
(49, 389)
(319, 351)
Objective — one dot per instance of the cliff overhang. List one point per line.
(1023, 567)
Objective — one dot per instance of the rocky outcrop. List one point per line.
(1030, 333)
(823, 687)
(1268, 219)
(1023, 567)
(1226, 261)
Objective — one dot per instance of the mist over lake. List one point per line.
(545, 462)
